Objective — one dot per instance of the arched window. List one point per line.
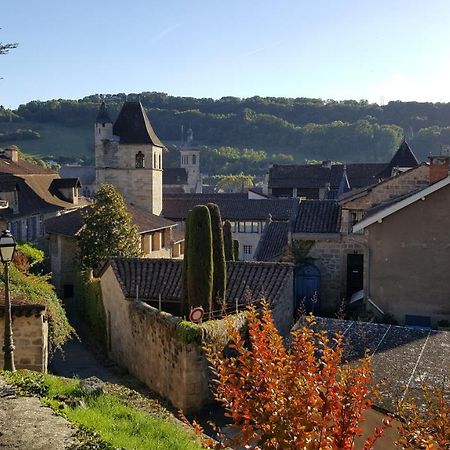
(154, 160)
(140, 162)
(194, 159)
(160, 161)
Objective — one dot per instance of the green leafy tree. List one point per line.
(108, 230)
(200, 258)
(220, 268)
(228, 241)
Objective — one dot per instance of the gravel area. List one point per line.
(25, 423)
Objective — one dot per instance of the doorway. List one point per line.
(355, 274)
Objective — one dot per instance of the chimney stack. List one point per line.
(439, 167)
(12, 153)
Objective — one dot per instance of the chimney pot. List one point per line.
(439, 167)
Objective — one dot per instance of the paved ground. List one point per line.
(26, 424)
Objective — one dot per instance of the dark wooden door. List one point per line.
(355, 274)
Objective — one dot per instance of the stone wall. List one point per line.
(30, 334)
(152, 344)
(330, 256)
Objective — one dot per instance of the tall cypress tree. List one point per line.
(228, 241)
(236, 249)
(184, 274)
(220, 268)
(200, 258)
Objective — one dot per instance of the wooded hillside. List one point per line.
(305, 128)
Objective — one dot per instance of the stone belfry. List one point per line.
(128, 155)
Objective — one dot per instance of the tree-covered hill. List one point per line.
(302, 127)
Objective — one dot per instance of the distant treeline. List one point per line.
(19, 135)
(302, 127)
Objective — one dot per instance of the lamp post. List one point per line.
(7, 249)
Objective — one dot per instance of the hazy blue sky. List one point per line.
(208, 48)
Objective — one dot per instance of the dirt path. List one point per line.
(27, 424)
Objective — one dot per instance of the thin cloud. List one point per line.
(270, 46)
(164, 33)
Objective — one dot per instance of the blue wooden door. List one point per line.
(307, 287)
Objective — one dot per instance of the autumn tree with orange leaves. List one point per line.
(303, 397)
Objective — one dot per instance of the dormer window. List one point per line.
(140, 160)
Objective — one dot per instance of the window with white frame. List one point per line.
(248, 249)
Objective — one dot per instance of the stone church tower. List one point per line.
(190, 161)
(128, 155)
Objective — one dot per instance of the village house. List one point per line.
(142, 300)
(248, 216)
(160, 238)
(34, 194)
(342, 263)
(322, 181)
(408, 245)
(86, 175)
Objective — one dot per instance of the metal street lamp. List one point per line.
(7, 250)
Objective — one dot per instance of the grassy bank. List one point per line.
(104, 420)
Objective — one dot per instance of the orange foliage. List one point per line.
(426, 426)
(21, 261)
(304, 397)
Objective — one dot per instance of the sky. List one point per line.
(379, 50)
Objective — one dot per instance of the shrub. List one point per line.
(88, 295)
(37, 289)
(297, 398)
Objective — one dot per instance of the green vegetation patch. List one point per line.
(103, 421)
(38, 290)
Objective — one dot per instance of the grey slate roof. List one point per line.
(232, 206)
(70, 224)
(133, 127)
(307, 176)
(403, 157)
(86, 174)
(272, 242)
(402, 357)
(103, 115)
(154, 277)
(174, 175)
(317, 216)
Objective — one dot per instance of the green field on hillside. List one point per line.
(56, 140)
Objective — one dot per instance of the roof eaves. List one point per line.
(385, 212)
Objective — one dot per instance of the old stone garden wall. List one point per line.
(30, 334)
(159, 349)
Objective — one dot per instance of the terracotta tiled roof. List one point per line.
(232, 206)
(133, 127)
(175, 175)
(272, 242)
(147, 278)
(36, 193)
(22, 167)
(317, 216)
(402, 358)
(70, 224)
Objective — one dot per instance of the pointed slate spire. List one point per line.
(344, 184)
(403, 157)
(133, 127)
(103, 115)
